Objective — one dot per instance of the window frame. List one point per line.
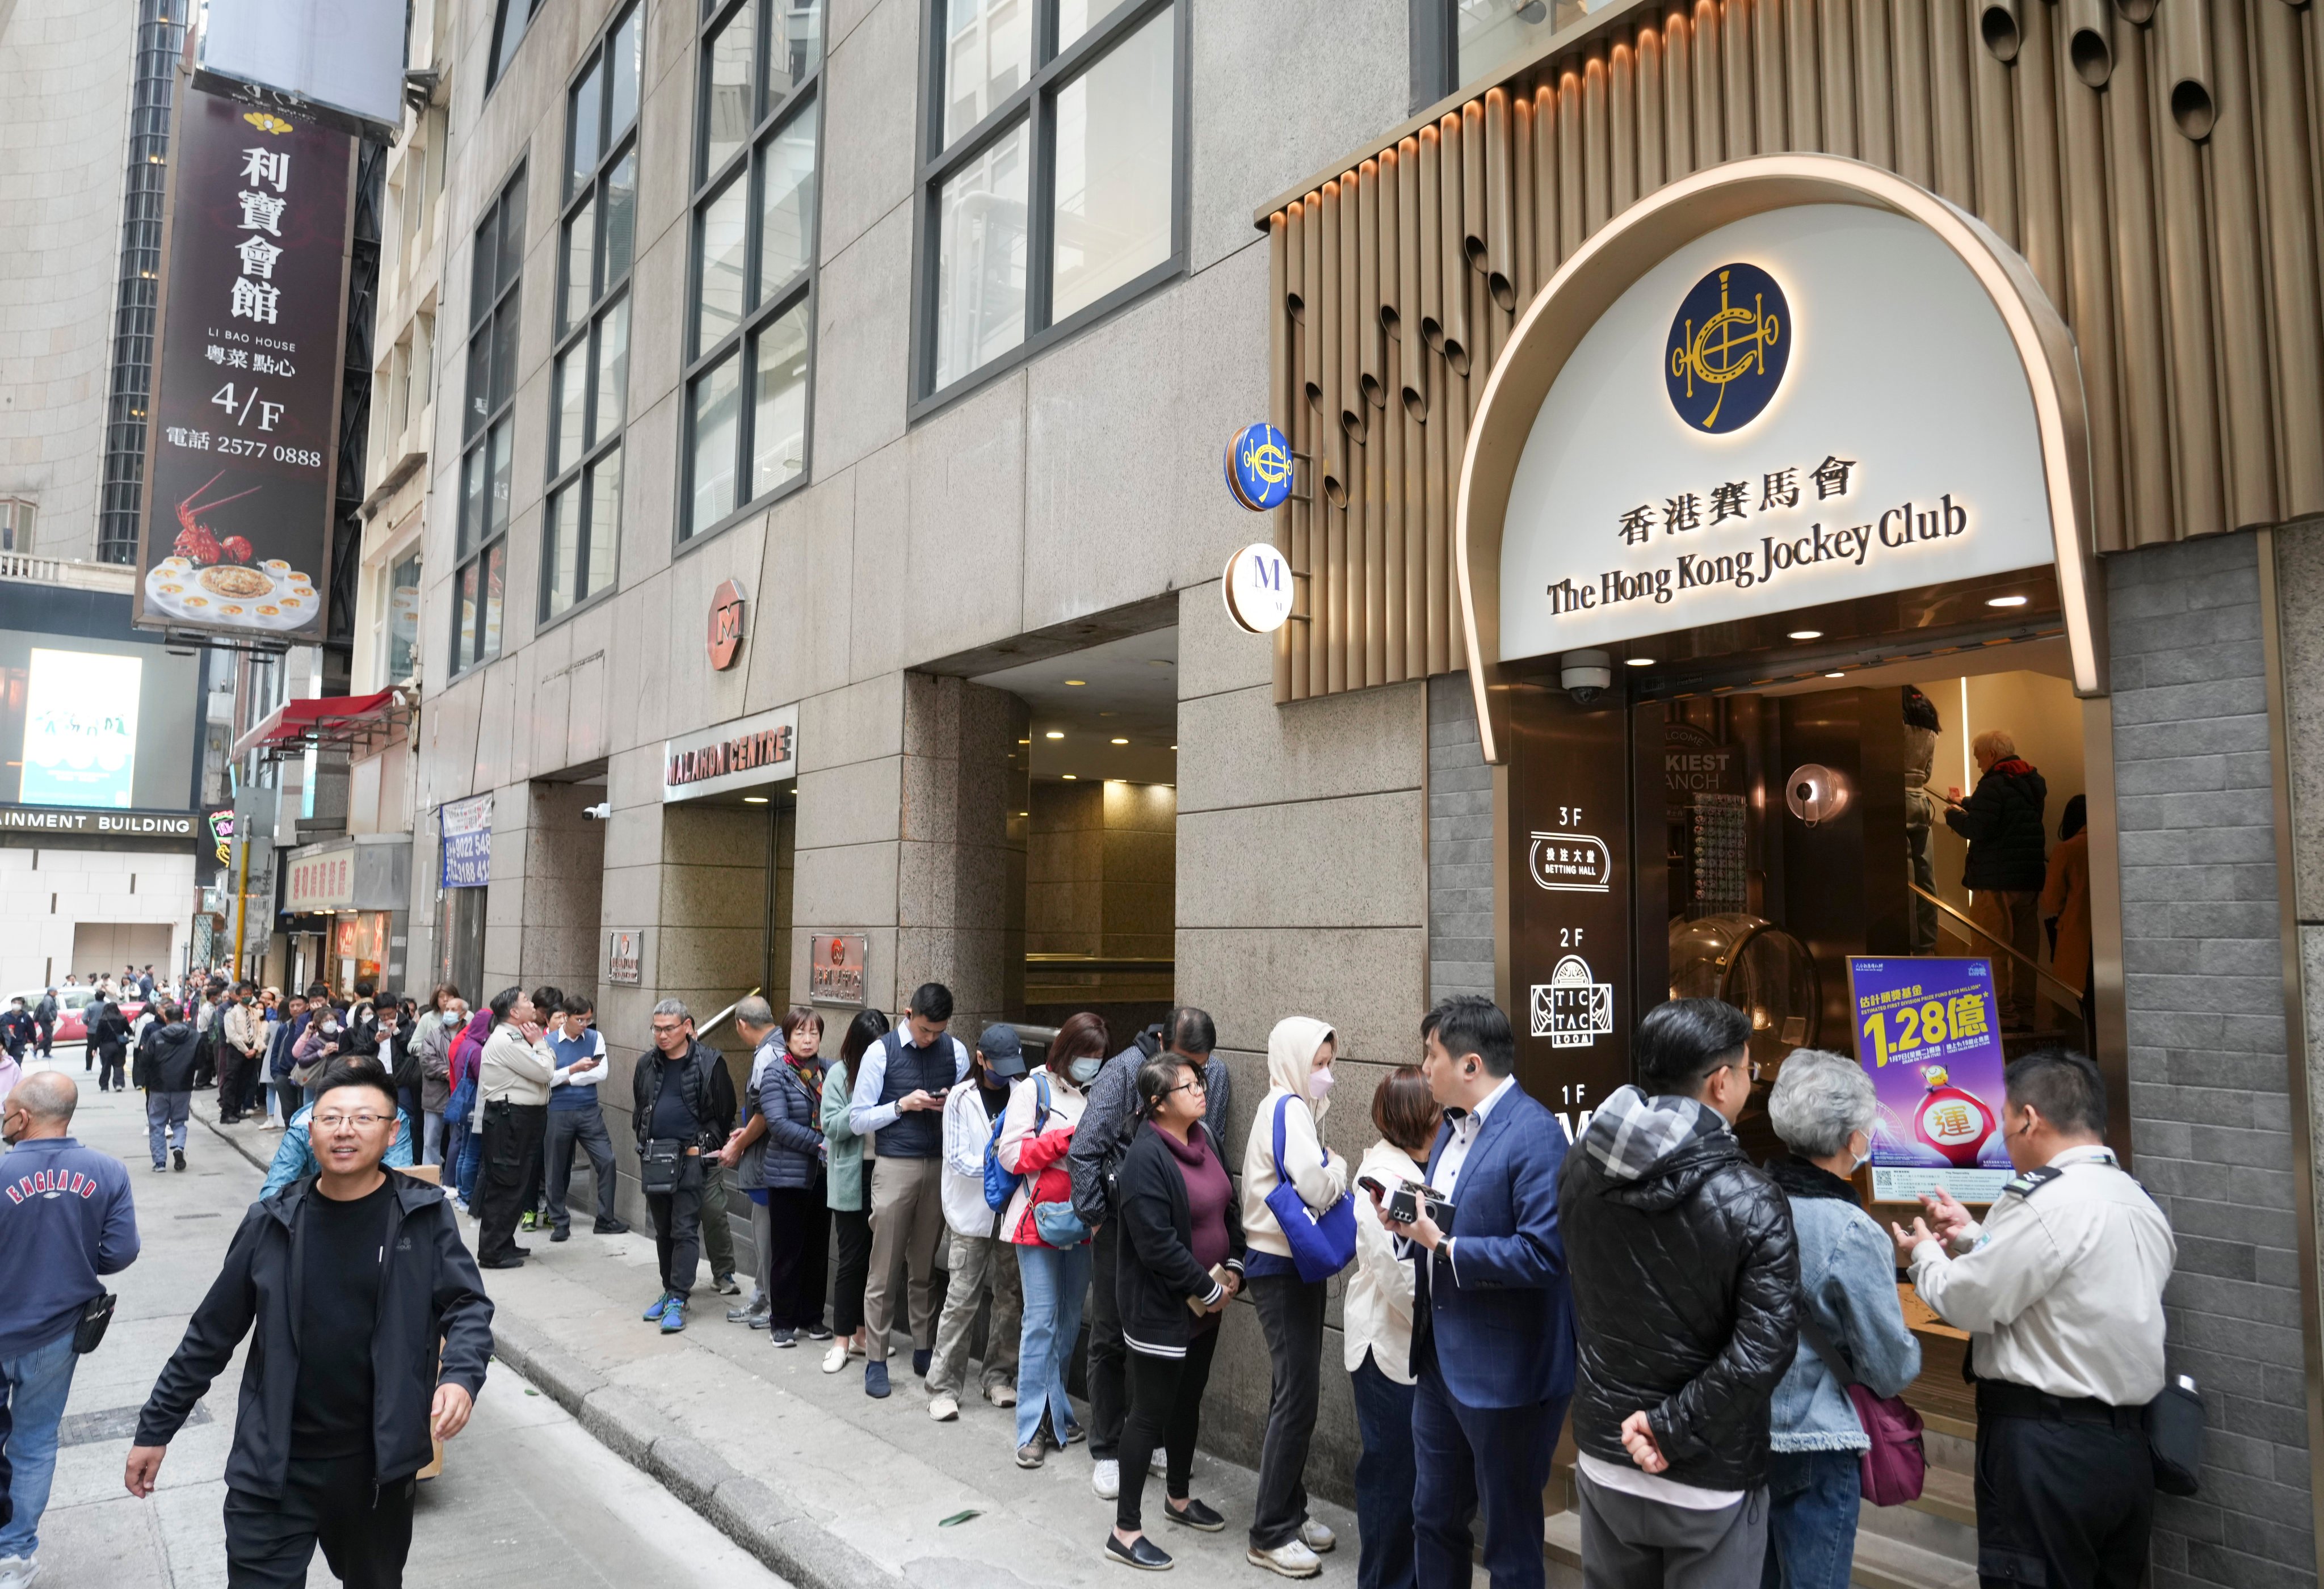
(493, 70)
(1034, 104)
(573, 197)
(746, 165)
(508, 299)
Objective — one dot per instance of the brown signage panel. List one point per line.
(242, 437)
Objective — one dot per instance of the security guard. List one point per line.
(2061, 1291)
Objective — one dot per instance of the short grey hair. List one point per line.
(673, 1007)
(48, 1096)
(1819, 1099)
(750, 1011)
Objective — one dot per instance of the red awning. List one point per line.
(327, 720)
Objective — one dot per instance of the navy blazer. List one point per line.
(1500, 1317)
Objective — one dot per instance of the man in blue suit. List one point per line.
(1492, 1335)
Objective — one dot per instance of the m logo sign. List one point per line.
(725, 624)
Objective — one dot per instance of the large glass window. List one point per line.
(401, 630)
(1465, 41)
(488, 427)
(510, 20)
(590, 378)
(1053, 188)
(748, 352)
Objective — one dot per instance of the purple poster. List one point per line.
(1928, 1031)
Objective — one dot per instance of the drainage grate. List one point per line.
(114, 1423)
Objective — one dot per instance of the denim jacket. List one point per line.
(1847, 1273)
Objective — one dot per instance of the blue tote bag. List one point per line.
(1322, 1244)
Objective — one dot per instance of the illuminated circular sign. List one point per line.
(1727, 347)
(1259, 467)
(1257, 588)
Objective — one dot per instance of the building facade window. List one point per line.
(17, 524)
(758, 131)
(1052, 177)
(399, 633)
(1455, 43)
(488, 429)
(590, 379)
(510, 20)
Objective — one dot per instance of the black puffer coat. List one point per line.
(1686, 1278)
(2002, 821)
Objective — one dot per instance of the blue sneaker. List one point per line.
(875, 1380)
(673, 1315)
(661, 1302)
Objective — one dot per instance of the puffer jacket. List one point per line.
(790, 1156)
(2002, 821)
(1322, 1179)
(1686, 1278)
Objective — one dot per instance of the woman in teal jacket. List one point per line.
(851, 1209)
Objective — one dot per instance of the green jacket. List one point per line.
(844, 1186)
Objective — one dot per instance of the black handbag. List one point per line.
(662, 1165)
(2174, 1437)
(95, 1320)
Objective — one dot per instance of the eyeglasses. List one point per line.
(668, 1031)
(1750, 1066)
(1194, 1086)
(363, 1120)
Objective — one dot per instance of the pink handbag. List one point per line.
(1897, 1463)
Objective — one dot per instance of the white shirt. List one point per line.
(1377, 1310)
(2062, 1287)
(1465, 1131)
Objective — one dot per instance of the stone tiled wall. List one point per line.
(1459, 843)
(2210, 1092)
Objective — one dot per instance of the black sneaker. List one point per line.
(783, 1337)
(1194, 1514)
(817, 1333)
(178, 1155)
(563, 1233)
(1140, 1552)
(609, 1227)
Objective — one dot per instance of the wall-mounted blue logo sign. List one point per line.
(1259, 467)
(1728, 344)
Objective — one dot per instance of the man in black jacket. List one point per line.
(2006, 863)
(352, 1278)
(1686, 1273)
(681, 1095)
(168, 1056)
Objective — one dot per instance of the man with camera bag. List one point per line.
(681, 1101)
(2061, 1291)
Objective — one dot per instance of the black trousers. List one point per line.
(2062, 1502)
(1291, 1312)
(1166, 1410)
(1108, 1391)
(111, 1072)
(854, 1229)
(509, 1173)
(677, 1227)
(326, 1502)
(798, 1248)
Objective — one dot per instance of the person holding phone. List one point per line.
(512, 1088)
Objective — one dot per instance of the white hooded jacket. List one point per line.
(1322, 1179)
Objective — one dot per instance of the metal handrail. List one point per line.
(2073, 999)
(712, 1024)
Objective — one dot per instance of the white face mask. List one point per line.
(1319, 1083)
(1858, 1160)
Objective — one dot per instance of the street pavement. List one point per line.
(527, 1498)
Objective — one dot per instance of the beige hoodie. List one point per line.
(1322, 1180)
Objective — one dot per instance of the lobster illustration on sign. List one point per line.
(196, 542)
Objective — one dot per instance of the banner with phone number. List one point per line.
(1928, 1032)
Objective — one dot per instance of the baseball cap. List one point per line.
(1002, 1051)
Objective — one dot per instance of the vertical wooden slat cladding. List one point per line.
(2163, 177)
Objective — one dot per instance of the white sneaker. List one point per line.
(17, 1572)
(1105, 1478)
(1290, 1558)
(943, 1410)
(836, 1358)
(1001, 1395)
(1316, 1537)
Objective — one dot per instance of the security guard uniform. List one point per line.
(2061, 1291)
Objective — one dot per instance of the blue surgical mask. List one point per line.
(1084, 1071)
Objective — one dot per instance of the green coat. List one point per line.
(845, 1169)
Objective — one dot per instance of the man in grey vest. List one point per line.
(899, 1103)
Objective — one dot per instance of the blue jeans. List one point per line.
(36, 1385)
(1384, 1479)
(1055, 1283)
(1811, 1499)
(471, 1148)
(166, 1113)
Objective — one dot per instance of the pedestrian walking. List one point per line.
(845, 1189)
(1285, 1148)
(2060, 1289)
(371, 1334)
(67, 1221)
(1107, 1126)
(1824, 1108)
(1051, 1243)
(166, 1063)
(682, 1104)
(108, 1039)
(577, 1052)
(897, 1100)
(19, 1032)
(779, 1152)
(1686, 1282)
(1376, 1313)
(980, 1260)
(1181, 1263)
(44, 1022)
(512, 1095)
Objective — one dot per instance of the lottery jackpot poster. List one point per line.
(1928, 1031)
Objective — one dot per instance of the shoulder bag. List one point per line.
(1896, 1465)
(1322, 1244)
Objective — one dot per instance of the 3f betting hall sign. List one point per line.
(241, 447)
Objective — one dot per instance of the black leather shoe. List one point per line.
(563, 1233)
(1194, 1514)
(503, 1263)
(609, 1227)
(1142, 1554)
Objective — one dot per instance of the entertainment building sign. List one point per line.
(98, 822)
(242, 442)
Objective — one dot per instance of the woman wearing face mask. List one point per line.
(1823, 1107)
(1299, 1051)
(1052, 1260)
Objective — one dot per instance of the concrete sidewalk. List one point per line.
(824, 1485)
